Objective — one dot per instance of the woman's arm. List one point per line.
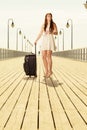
(55, 31)
(39, 35)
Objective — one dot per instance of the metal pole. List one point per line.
(63, 40)
(58, 42)
(19, 32)
(71, 31)
(8, 36)
(62, 31)
(71, 35)
(25, 45)
(85, 5)
(17, 41)
(8, 31)
(25, 42)
(22, 42)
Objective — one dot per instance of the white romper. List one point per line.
(48, 41)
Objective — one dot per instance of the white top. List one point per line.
(48, 28)
(48, 42)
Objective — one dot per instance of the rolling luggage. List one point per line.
(30, 66)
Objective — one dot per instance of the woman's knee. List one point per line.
(44, 56)
(49, 54)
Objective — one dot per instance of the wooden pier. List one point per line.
(55, 103)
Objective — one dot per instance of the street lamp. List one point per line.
(62, 32)
(25, 42)
(57, 41)
(85, 5)
(8, 26)
(20, 33)
(30, 43)
(68, 25)
(27, 45)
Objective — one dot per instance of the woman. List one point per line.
(48, 29)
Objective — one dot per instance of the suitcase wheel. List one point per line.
(35, 75)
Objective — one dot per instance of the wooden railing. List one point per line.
(77, 54)
(5, 53)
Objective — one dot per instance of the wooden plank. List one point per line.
(60, 118)
(5, 96)
(31, 120)
(8, 108)
(46, 121)
(73, 96)
(76, 77)
(58, 103)
(70, 109)
(82, 108)
(19, 108)
(72, 66)
(76, 87)
(8, 84)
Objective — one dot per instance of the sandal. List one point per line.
(45, 74)
(49, 74)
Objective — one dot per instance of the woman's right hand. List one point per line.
(35, 43)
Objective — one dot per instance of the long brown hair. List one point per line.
(51, 23)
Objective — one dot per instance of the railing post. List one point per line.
(86, 54)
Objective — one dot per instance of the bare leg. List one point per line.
(49, 61)
(44, 57)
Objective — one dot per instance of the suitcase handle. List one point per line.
(35, 48)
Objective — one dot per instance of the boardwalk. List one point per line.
(56, 103)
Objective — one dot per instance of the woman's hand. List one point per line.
(35, 42)
(55, 33)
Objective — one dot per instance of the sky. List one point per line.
(29, 16)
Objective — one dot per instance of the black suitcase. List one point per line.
(30, 66)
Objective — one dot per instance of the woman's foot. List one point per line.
(49, 74)
(46, 73)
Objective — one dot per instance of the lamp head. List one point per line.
(24, 37)
(20, 32)
(67, 25)
(55, 37)
(60, 32)
(85, 4)
(12, 25)
(27, 40)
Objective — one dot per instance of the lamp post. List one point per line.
(68, 25)
(30, 43)
(27, 45)
(85, 5)
(19, 32)
(25, 42)
(8, 26)
(62, 32)
(58, 43)
(57, 40)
